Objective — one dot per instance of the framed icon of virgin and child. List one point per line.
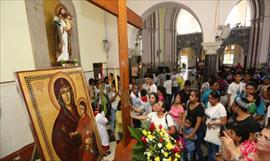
(60, 114)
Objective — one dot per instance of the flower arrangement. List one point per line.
(154, 143)
(64, 63)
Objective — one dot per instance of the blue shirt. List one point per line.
(260, 108)
(190, 144)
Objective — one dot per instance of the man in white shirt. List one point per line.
(234, 89)
(267, 118)
(175, 85)
(107, 86)
(136, 104)
(168, 87)
(151, 84)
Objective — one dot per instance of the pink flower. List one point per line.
(143, 139)
(160, 126)
(152, 126)
(176, 149)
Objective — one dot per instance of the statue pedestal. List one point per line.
(68, 63)
(123, 153)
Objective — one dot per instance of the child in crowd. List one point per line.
(151, 86)
(91, 88)
(114, 99)
(146, 106)
(101, 121)
(241, 140)
(103, 101)
(161, 92)
(252, 99)
(234, 89)
(119, 121)
(136, 104)
(185, 92)
(168, 87)
(177, 112)
(190, 144)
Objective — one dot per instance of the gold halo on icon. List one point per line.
(51, 87)
(82, 99)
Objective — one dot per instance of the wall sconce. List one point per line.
(106, 45)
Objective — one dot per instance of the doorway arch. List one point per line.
(250, 38)
(160, 38)
(233, 55)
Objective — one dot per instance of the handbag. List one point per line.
(211, 135)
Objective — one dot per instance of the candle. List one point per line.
(116, 80)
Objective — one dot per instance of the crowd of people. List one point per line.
(235, 129)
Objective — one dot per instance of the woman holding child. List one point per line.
(196, 111)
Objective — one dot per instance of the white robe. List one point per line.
(64, 54)
(101, 121)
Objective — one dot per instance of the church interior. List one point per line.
(121, 80)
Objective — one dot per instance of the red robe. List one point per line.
(86, 132)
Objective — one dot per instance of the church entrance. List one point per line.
(233, 56)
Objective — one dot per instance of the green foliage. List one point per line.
(138, 152)
(136, 133)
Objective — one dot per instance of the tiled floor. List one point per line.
(113, 144)
(112, 149)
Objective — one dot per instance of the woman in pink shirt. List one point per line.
(177, 112)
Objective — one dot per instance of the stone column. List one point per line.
(211, 58)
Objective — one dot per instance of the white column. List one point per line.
(211, 58)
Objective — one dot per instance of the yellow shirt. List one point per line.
(119, 120)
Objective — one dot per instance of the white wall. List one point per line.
(15, 132)
(91, 32)
(16, 49)
(16, 55)
(112, 37)
(132, 34)
(111, 31)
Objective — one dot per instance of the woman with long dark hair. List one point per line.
(196, 111)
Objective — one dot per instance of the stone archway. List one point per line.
(239, 36)
(149, 11)
(251, 39)
(161, 47)
(260, 23)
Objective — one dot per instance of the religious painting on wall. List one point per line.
(60, 114)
